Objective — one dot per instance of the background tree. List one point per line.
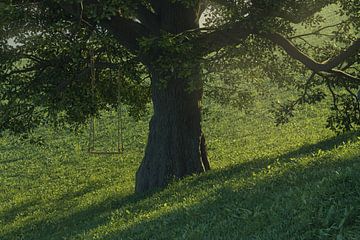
(164, 56)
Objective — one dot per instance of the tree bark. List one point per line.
(176, 145)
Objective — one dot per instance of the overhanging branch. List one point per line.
(327, 66)
(148, 19)
(317, 31)
(127, 31)
(225, 36)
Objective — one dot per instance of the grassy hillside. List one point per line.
(297, 181)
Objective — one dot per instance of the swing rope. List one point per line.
(119, 124)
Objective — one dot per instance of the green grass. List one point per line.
(297, 181)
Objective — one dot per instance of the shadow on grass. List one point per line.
(324, 192)
(324, 145)
(282, 207)
(224, 211)
(75, 223)
(10, 214)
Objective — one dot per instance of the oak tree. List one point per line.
(163, 56)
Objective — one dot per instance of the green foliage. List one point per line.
(57, 98)
(45, 76)
(172, 59)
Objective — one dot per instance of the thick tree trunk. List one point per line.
(176, 146)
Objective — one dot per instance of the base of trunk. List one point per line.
(171, 153)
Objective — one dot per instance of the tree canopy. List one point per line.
(45, 76)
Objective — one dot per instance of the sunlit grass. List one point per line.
(297, 181)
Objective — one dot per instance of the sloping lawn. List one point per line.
(298, 181)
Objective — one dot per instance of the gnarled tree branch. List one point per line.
(127, 31)
(148, 19)
(317, 31)
(327, 66)
(226, 36)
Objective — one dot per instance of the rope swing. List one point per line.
(119, 121)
